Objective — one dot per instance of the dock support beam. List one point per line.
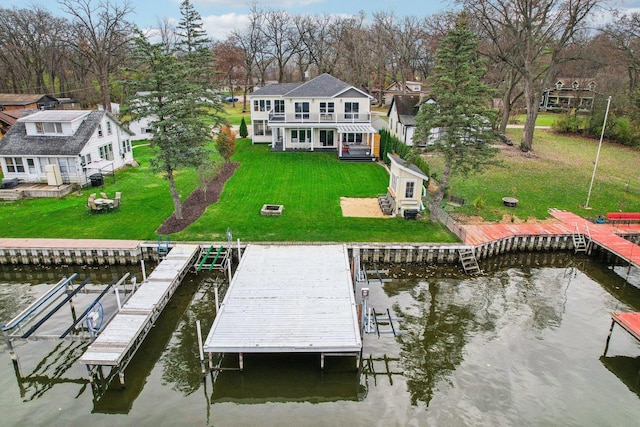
(241, 361)
(606, 346)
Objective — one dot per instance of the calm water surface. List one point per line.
(521, 345)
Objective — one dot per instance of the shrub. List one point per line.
(243, 129)
(226, 142)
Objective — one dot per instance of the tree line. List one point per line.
(528, 45)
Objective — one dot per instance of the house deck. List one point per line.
(289, 299)
(32, 191)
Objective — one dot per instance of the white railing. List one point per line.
(314, 118)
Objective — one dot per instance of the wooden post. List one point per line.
(241, 362)
(606, 346)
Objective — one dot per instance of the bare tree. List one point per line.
(229, 65)
(278, 30)
(624, 33)
(536, 31)
(101, 35)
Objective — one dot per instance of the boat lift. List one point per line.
(25, 326)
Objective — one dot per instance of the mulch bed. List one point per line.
(195, 205)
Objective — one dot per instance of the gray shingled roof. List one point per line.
(413, 168)
(275, 89)
(407, 107)
(17, 143)
(323, 86)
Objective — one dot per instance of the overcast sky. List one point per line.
(221, 16)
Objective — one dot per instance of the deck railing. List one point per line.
(315, 118)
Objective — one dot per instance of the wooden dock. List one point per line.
(607, 236)
(629, 321)
(118, 342)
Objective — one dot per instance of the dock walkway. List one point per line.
(118, 342)
(604, 235)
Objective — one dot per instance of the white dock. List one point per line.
(117, 343)
(289, 299)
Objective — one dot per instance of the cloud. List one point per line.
(219, 26)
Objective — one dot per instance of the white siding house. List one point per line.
(78, 142)
(323, 113)
(406, 185)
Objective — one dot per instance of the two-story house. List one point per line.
(64, 145)
(323, 113)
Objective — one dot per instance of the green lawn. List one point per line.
(543, 119)
(146, 203)
(309, 185)
(556, 174)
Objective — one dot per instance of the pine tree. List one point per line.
(193, 45)
(461, 113)
(243, 129)
(175, 104)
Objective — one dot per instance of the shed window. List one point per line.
(409, 189)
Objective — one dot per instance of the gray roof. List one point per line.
(323, 86)
(275, 89)
(17, 143)
(412, 168)
(288, 299)
(407, 107)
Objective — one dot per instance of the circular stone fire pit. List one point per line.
(271, 210)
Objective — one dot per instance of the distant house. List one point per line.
(8, 118)
(64, 147)
(397, 88)
(569, 94)
(402, 113)
(12, 101)
(406, 185)
(323, 113)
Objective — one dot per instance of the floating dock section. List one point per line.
(289, 299)
(117, 343)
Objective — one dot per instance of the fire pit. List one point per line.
(271, 210)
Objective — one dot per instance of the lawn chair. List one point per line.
(118, 197)
(115, 205)
(95, 208)
(104, 195)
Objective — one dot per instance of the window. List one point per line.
(258, 128)
(106, 152)
(14, 164)
(31, 164)
(85, 160)
(352, 138)
(302, 110)
(351, 110)
(327, 107)
(300, 135)
(278, 106)
(109, 131)
(394, 181)
(409, 189)
(100, 131)
(126, 146)
(262, 105)
(49, 127)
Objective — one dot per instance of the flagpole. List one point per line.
(595, 165)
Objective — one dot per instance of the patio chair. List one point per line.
(118, 197)
(104, 195)
(95, 208)
(92, 196)
(115, 205)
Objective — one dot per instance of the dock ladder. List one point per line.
(469, 261)
(163, 247)
(580, 243)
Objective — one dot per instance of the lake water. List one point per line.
(521, 345)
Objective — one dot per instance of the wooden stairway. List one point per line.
(580, 243)
(387, 204)
(469, 261)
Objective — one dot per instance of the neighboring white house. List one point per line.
(402, 113)
(141, 128)
(64, 146)
(323, 113)
(406, 185)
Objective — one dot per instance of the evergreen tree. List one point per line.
(175, 104)
(460, 117)
(193, 45)
(243, 129)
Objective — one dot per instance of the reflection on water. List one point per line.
(520, 345)
(287, 378)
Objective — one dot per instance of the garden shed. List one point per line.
(406, 186)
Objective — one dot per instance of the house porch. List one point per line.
(36, 190)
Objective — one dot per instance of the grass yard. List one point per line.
(309, 185)
(543, 119)
(556, 174)
(146, 203)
